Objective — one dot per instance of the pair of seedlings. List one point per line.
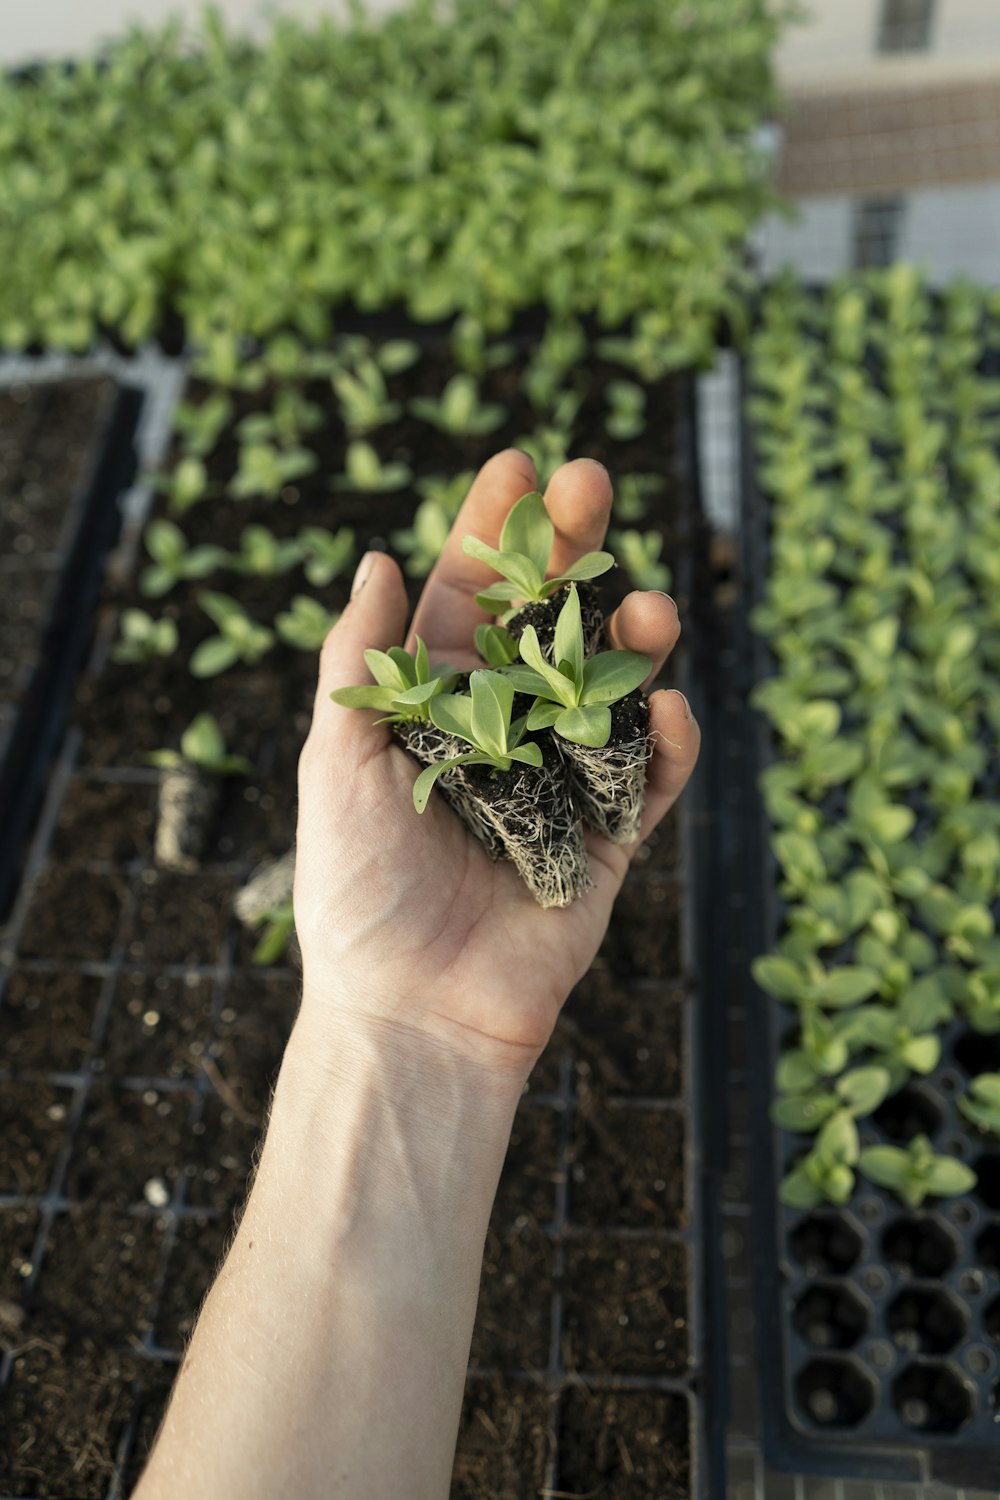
(551, 733)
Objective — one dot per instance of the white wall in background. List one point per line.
(818, 242)
(65, 28)
(836, 45)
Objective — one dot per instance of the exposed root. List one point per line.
(608, 784)
(430, 745)
(540, 830)
(186, 807)
(269, 887)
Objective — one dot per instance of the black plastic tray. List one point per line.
(28, 739)
(828, 1275)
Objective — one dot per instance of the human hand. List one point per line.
(405, 920)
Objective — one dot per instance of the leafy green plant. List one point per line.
(422, 542)
(981, 1104)
(496, 646)
(174, 561)
(916, 1173)
(186, 485)
(265, 469)
(639, 554)
(523, 556)
(142, 638)
(364, 470)
(239, 638)
(200, 426)
(483, 720)
(859, 1091)
(262, 555)
(327, 554)
(574, 698)
(202, 745)
(826, 1172)
(306, 625)
(364, 398)
(279, 928)
(626, 418)
(458, 410)
(404, 685)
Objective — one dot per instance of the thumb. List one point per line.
(375, 617)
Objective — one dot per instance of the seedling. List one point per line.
(916, 1173)
(859, 1091)
(265, 470)
(143, 638)
(279, 928)
(574, 697)
(458, 411)
(482, 720)
(239, 638)
(496, 646)
(364, 398)
(421, 543)
(626, 417)
(201, 426)
(202, 745)
(639, 552)
(523, 556)
(174, 561)
(262, 555)
(364, 470)
(306, 625)
(981, 1104)
(404, 686)
(186, 485)
(327, 554)
(826, 1173)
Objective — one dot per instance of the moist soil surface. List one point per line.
(140, 1048)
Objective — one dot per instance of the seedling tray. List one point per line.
(55, 587)
(878, 1327)
(139, 1095)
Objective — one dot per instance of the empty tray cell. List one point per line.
(46, 1021)
(909, 1113)
(33, 1127)
(515, 1301)
(628, 1168)
(74, 913)
(129, 1139)
(158, 1027)
(531, 1171)
(503, 1440)
(920, 1245)
(976, 1053)
(178, 918)
(932, 1397)
(99, 1273)
(626, 1307)
(629, 1036)
(644, 936)
(106, 820)
(925, 1320)
(632, 1444)
(835, 1392)
(988, 1248)
(827, 1243)
(830, 1315)
(987, 1170)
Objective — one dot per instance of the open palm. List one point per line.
(406, 918)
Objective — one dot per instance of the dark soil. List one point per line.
(46, 435)
(629, 719)
(214, 1036)
(625, 1444)
(544, 616)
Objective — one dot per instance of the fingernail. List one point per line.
(664, 595)
(687, 707)
(361, 576)
(596, 462)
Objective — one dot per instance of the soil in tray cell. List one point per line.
(158, 1026)
(624, 1443)
(178, 919)
(256, 819)
(503, 1441)
(62, 1416)
(105, 820)
(626, 1307)
(644, 936)
(156, 1381)
(18, 1228)
(195, 1258)
(515, 1301)
(48, 434)
(629, 1037)
(46, 1021)
(34, 1127)
(99, 1274)
(627, 1168)
(531, 1170)
(224, 1147)
(250, 1037)
(128, 1140)
(74, 913)
(24, 597)
(661, 851)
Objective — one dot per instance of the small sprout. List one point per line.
(143, 638)
(200, 427)
(404, 685)
(279, 926)
(458, 412)
(826, 1174)
(574, 697)
(262, 555)
(186, 485)
(496, 646)
(174, 561)
(639, 552)
(523, 556)
(202, 745)
(365, 471)
(915, 1172)
(483, 720)
(239, 638)
(327, 554)
(306, 625)
(265, 470)
(981, 1104)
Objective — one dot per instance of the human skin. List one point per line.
(330, 1357)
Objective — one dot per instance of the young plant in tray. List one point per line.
(174, 561)
(190, 790)
(143, 638)
(306, 625)
(524, 594)
(599, 718)
(239, 637)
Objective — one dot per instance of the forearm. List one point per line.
(330, 1357)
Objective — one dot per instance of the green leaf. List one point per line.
(846, 986)
(517, 570)
(948, 1178)
(799, 1191)
(801, 1112)
(780, 977)
(885, 1165)
(531, 755)
(220, 608)
(591, 565)
(585, 726)
(922, 1053)
(492, 700)
(213, 656)
(422, 661)
(862, 1090)
(381, 698)
(165, 542)
(452, 713)
(612, 675)
(567, 650)
(495, 645)
(498, 595)
(795, 1073)
(557, 686)
(529, 531)
(202, 741)
(424, 784)
(838, 1140)
(543, 716)
(386, 670)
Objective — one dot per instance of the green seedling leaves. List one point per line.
(495, 645)
(916, 1173)
(826, 1173)
(202, 744)
(404, 686)
(143, 638)
(981, 1104)
(523, 555)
